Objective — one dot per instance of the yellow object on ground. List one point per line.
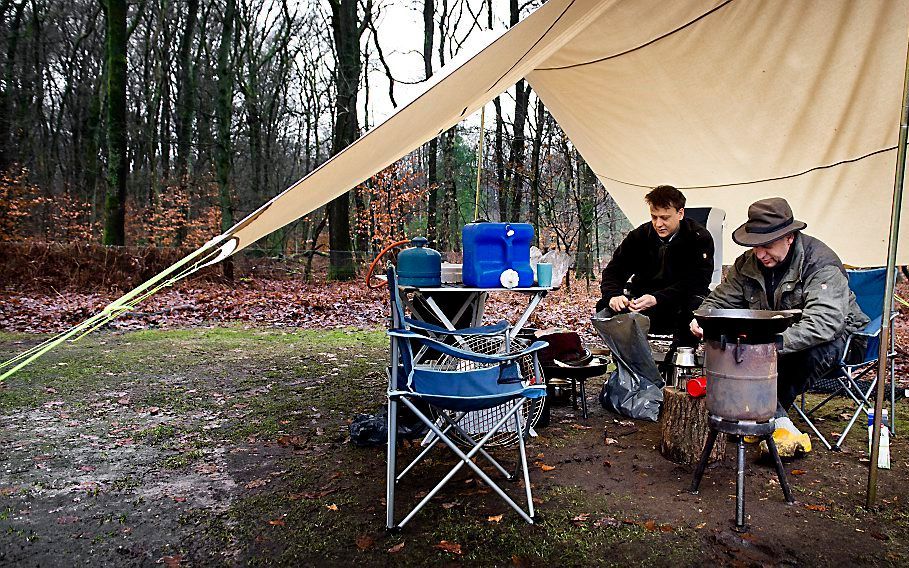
(788, 444)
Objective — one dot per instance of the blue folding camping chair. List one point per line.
(847, 377)
(455, 382)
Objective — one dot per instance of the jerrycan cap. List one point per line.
(419, 242)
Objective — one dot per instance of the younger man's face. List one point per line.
(666, 220)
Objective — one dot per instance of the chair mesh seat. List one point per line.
(479, 422)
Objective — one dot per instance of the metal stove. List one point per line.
(740, 363)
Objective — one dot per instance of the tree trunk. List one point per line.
(516, 156)
(684, 428)
(585, 204)
(447, 238)
(184, 115)
(223, 115)
(535, 171)
(6, 95)
(432, 148)
(185, 92)
(500, 163)
(346, 34)
(115, 201)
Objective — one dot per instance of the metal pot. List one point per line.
(683, 363)
(741, 380)
(750, 326)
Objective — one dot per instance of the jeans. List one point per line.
(796, 371)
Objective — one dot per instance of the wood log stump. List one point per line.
(684, 428)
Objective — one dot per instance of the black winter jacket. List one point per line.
(678, 275)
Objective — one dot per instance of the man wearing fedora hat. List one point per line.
(787, 269)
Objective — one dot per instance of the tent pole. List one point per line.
(883, 353)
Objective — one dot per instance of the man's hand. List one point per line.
(642, 303)
(696, 329)
(618, 303)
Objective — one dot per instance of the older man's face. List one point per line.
(774, 252)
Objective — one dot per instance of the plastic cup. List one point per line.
(544, 274)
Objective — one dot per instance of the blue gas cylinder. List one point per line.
(420, 265)
(493, 249)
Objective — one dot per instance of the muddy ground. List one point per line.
(229, 446)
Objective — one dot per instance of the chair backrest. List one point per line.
(869, 286)
(714, 219)
(397, 321)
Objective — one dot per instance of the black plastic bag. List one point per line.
(635, 388)
(369, 430)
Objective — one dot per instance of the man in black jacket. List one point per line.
(669, 262)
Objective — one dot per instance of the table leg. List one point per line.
(531, 306)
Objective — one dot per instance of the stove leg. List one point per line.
(740, 485)
(583, 399)
(702, 465)
(780, 472)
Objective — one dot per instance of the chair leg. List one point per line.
(811, 425)
(483, 452)
(465, 460)
(426, 450)
(522, 458)
(858, 412)
(392, 455)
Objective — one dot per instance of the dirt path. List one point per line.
(229, 446)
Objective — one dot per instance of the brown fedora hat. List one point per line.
(768, 220)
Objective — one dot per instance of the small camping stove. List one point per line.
(741, 366)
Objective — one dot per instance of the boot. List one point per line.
(788, 444)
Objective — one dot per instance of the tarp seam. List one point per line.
(642, 46)
(549, 29)
(751, 182)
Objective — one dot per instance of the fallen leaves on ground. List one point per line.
(581, 519)
(256, 483)
(545, 467)
(607, 522)
(396, 548)
(364, 542)
(799, 472)
(449, 547)
(331, 507)
(816, 507)
(295, 441)
(494, 518)
(267, 301)
(610, 441)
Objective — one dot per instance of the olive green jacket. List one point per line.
(814, 283)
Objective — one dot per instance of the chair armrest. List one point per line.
(465, 354)
(485, 330)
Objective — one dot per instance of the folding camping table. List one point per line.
(474, 303)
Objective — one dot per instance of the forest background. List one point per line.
(161, 123)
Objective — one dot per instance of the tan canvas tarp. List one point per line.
(730, 100)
